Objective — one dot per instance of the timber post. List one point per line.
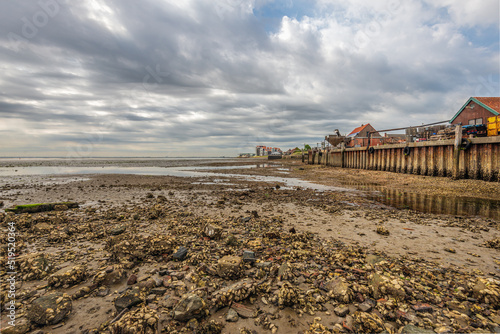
(342, 155)
(456, 152)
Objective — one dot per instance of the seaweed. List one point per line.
(39, 207)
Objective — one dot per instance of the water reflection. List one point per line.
(435, 203)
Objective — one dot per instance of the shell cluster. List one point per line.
(35, 266)
(493, 243)
(367, 323)
(49, 309)
(140, 321)
(288, 295)
(68, 278)
(236, 292)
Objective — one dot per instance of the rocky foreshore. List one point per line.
(254, 258)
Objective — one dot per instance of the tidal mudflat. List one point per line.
(247, 247)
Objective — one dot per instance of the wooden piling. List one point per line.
(434, 158)
(456, 152)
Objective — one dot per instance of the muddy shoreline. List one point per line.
(296, 230)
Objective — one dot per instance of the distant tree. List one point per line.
(307, 147)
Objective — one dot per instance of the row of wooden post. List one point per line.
(438, 158)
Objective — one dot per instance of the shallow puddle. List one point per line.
(435, 203)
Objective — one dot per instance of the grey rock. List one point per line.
(263, 264)
(158, 281)
(158, 291)
(244, 311)
(248, 256)
(180, 254)
(117, 230)
(365, 306)
(340, 290)
(190, 306)
(127, 300)
(177, 274)
(170, 301)
(341, 311)
(232, 316)
(103, 291)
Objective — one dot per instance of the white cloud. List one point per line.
(101, 13)
(471, 13)
(211, 75)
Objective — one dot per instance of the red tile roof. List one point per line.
(358, 129)
(492, 102)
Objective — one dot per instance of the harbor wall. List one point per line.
(480, 160)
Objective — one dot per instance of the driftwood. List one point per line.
(42, 207)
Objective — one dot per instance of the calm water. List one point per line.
(437, 204)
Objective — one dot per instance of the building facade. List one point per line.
(359, 136)
(477, 110)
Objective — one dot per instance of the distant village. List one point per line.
(264, 151)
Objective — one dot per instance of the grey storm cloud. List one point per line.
(216, 78)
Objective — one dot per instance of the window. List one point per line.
(475, 121)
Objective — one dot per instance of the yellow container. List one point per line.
(492, 126)
(493, 132)
(492, 119)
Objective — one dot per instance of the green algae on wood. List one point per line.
(40, 207)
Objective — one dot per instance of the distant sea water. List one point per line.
(108, 158)
(114, 165)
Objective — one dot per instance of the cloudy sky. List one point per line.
(210, 78)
